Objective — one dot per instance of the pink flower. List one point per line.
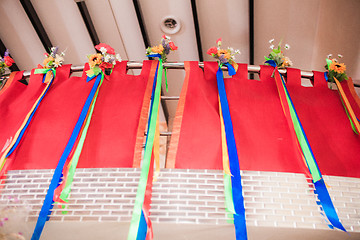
(218, 42)
(212, 51)
(109, 49)
(172, 46)
(8, 61)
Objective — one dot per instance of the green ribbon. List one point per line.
(314, 170)
(70, 177)
(166, 82)
(140, 194)
(229, 202)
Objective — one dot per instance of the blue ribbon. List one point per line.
(154, 55)
(29, 120)
(48, 202)
(271, 63)
(239, 217)
(327, 205)
(321, 190)
(231, 69)
(326, 76)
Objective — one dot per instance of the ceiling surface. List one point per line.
(313, 29)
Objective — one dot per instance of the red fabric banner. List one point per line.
(335, 146)
(111, 136)
(261, 131)
(199, 145)
(16, 100)
(263, 138)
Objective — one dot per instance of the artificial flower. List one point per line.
(98, 62)
(212, 50)
(5, 63)
(53, 60)
(164, 48)
(8, 61)
(335, 69)
(95, 59)
(172, 46)
(104, 48)
(158, 49)
(104, 65)
(278, 56)
(223, 55)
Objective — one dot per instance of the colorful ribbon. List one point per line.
(20, 133)
(48, 202)
(65, 187)
(140, 226)
(238, 199)
(295, 124)
(348, 109)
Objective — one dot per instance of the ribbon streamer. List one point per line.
(295, 124)
(229, 203)
(348, 109)
(238, 199)
(20, 133)
(138, 229)
(48, 202)
(67, 181)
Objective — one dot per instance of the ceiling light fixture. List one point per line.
(170, 25)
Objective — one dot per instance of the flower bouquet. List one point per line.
(224, 56)
(163, 49)
(277, 57)
(335, 69)
(99, 62)
(5, 63)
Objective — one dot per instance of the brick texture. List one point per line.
(187, 196)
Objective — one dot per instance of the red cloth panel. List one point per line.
(200, 142)
(261, 131)
(15, 103)
(111, 137)
(262, 135)
(112, 132)
(49, 131)
(335, 146)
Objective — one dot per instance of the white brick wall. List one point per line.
(188, 196)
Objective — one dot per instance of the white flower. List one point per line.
(118, 57)
(329, 55)
(58, 60)
(106, 57)
(287, 46)
(340, 56)
(271, 41)
(237, 51)
(103, 50)
(272, 46)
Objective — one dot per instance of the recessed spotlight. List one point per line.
(170, 25)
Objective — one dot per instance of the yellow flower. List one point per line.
(337, 67)
(286, 62)
(226, 54)
(95, 59)
(158, 49)
(47, 60)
